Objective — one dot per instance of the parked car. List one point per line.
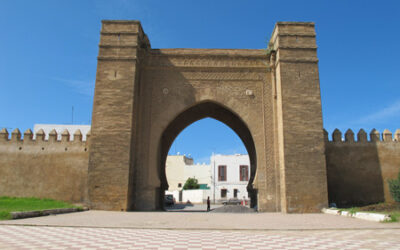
(169, 200)
(232, 201)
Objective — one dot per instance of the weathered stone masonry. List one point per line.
(47, 169)
(145, 97)
(359, 169)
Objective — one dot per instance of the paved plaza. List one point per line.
(39, 237)
(195, 230)
(202, 220)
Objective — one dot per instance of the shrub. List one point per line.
(394, 187)
(191, 183)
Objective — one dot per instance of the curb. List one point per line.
(30, 214)
(359, 215)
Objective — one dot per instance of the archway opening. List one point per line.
(225, 174)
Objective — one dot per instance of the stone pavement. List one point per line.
(202, 220)
(37, 237)
(194, 230)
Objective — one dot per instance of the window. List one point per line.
(222, 173)
(223, 193)
(235, 192)
(179, 185)
(244, 173)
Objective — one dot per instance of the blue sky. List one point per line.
(48, 53)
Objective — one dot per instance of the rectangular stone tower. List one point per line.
(113, 119)
(299, 122)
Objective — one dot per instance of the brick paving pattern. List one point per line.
(39, 237)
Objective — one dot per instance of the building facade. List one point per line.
(180, 167)
(226, 177)
(231, 175)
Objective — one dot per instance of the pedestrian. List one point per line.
(208, 204)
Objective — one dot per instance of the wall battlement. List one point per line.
(28, 139)
(362, 136)
(42, 168)
(359, 166)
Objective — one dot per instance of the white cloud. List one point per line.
(81, 87)
(389, 112)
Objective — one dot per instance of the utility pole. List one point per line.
(213, 159)
(72, 115)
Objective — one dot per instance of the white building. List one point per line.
(226, 177)
(232, 174)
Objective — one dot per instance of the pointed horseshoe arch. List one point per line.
(198, 112)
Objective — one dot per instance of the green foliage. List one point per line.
(351, 210)
(394, 217)
(5, 215)
(269, 49)
(392, 209)
(14, 204)
(394, 187)
(191, 183)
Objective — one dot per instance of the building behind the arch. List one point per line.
(226, 177)
(231, 175)
(145, 97)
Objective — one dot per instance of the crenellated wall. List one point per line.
(44, 168)
(358, 170)
(358, 167)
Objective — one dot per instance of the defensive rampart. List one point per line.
(358, 170)
(44, 168)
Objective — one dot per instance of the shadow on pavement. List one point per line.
(186, 207)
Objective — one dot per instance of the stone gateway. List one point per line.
(145, 97)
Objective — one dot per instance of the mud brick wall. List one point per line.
(358, 170)
(46, 169)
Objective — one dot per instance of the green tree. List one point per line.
(191, 183)
(394, 187)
